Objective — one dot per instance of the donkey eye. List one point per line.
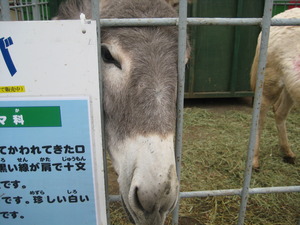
(108, 58)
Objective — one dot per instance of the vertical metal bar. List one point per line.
(96, 16)
(236, 50)
(192, 62)
(43, 11)
(266, 23)
(46, 10)
(36, 10)
(42, 8)
(17, 11)
(26, 8)
(23, 9)
(29, 11)
(5, 12)
(182, 41)
(22, 12)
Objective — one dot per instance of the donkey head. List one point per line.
(140, 80)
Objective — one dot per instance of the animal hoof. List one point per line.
(288, 159)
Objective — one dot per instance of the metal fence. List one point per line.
(183, 22)
(22, 10)
(282, 5)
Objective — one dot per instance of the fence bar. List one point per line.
(114, 198)
(46, 10)
(236, 52)
(5, 13)
(182, 44)
(36, 10)
(225, 21)
(287, 3)
(284, 22)
(195, 21)
(26, 8)
(96, 17)
(241, 21)
(28, 5)
(43, 12)
(227, 192)
(175, 21)
(139, 22)
(266, 23)
(18, 12)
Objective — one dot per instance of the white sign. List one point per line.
(51, 160)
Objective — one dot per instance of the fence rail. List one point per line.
(196, 21)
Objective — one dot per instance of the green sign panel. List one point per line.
(48, 116)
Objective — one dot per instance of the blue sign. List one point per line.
(46, 173)
(4, 44)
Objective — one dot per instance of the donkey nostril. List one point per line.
(137, 200)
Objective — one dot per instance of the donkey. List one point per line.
(140, 81)
(281, 87)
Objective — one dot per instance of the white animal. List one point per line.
(281, 87)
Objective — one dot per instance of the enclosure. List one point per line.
(217, 184)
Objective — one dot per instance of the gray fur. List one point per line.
(147, 103)
(141, 108)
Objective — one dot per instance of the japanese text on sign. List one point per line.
(45, 163)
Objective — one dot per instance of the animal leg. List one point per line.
(262, 115)
(281, 109)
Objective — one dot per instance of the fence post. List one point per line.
(96, 16)
(266, 23)
(36, 10)
(5, 11)
(182, 43)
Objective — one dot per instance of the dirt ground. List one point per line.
(213, 159)
(221, 104)
(215, 140)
